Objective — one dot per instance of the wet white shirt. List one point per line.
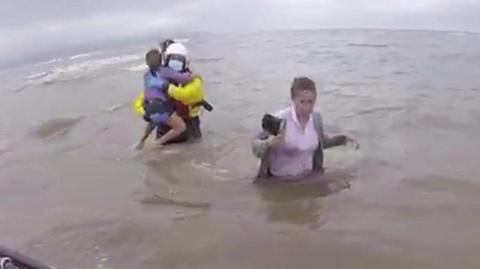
(294, 156)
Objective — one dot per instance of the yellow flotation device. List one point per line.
(138, 104)
(191, 94)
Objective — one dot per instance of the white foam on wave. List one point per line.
(99, 63)
(79, 69)
(38, 75)
(52, 61)
(136, 68)
(461, 33)
(181, 40)
(49, 62)
(79, 56)
(367, 45)
(112, 108)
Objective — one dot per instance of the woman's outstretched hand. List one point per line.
(351, 142)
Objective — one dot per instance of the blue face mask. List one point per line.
(176, 65)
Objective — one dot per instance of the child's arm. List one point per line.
(175, 77)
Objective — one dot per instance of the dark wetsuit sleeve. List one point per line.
(327, 141)
(337, 140)
(259, 144)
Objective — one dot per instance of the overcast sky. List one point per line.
(40, 25)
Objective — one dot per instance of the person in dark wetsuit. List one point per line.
(175, 58)
(163, 48)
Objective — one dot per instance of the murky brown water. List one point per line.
(74, 194)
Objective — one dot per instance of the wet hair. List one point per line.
(300, 84)
(163, 48)
(150, 53)
(165, 43)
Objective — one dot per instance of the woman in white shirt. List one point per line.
(298, 149)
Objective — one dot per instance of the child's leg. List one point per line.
(183, 137)
(177, 127)
(148, 130)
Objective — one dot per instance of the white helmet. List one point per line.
(177, 48)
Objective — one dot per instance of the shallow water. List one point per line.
(76, 195)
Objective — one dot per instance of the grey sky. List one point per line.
(38, 26)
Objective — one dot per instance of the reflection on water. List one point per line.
(300, 212)
(299, 201)
(156, 199)
(175, 176)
